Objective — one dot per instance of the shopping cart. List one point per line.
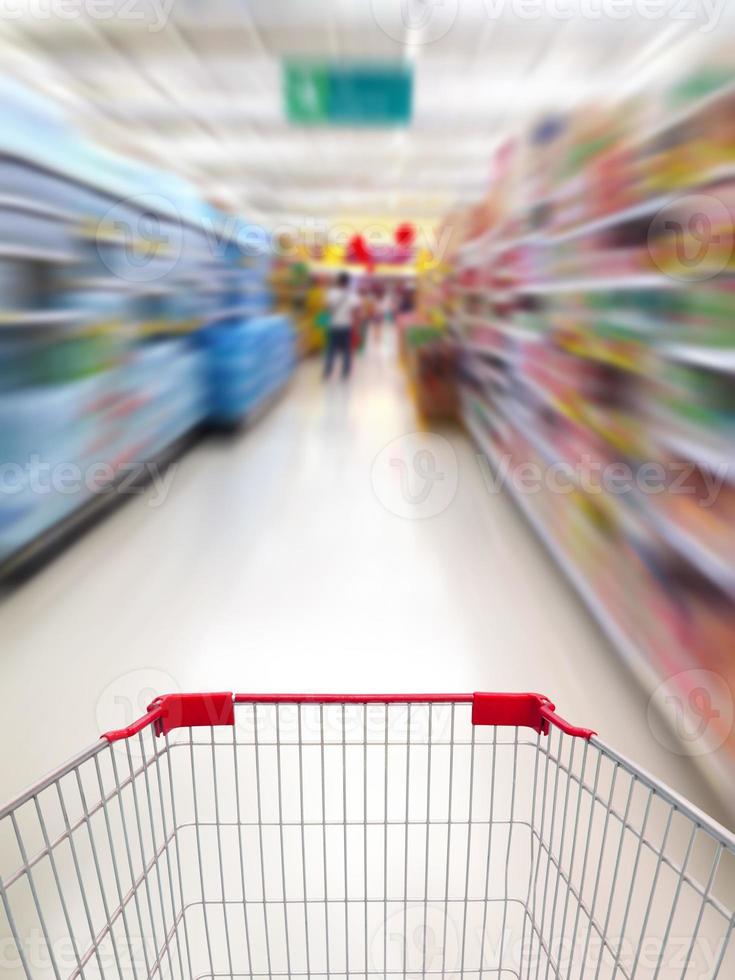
(361, 837)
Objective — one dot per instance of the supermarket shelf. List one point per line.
(484, 350)
(28, 559)
(40, 318)
(165, 327)
(599, 611)
(491, 237)
(118, 284)
(717, 569)
(110, 237)
(484, 373)
(711, 565)
(498, 324)
(233, 427)
(634, 322)
(591, 285)
(563, 191)
(234, 311)
(505, 327)
(631, 213)
(30, 254)
(522, 335)
(560, 191)
(474, 243)
(640, 210)
(40, 161)
(478, 320)
(724, 172)
(686, 113)
(498, 293)
(510, 243)
(39, 208)
(715, 358)
(491, 244)
(540, 391)
(542, 447)
(717, 457)
(717, 773)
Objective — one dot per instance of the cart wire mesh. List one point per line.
(338, 838)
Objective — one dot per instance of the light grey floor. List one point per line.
(276, 563)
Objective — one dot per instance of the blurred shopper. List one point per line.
(363, 317)
(343, 304)
(386, 309)
(375, 311)
(407, 300)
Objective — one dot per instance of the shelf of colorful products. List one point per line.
(585, 343)
(295, 295)
(661, 588)
(110, 344)
(593, 171)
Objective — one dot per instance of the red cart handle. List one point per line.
(181, 711)
(523, 710)
(172, 711)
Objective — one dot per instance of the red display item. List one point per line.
(405, 234)
(358, 251)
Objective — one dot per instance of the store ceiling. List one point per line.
(196, 87)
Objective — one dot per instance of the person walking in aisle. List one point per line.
(385, 311)
(342, 303)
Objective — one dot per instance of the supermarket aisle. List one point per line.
(274, 565)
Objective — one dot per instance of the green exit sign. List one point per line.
(327, 94)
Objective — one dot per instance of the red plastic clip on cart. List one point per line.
(365, 836)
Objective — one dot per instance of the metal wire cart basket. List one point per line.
(356, 837)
